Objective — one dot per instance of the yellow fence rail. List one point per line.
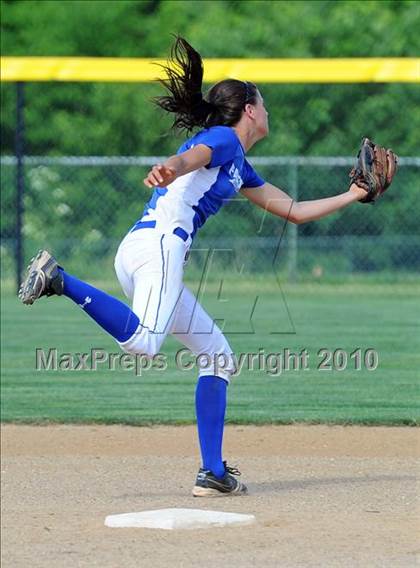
(339, 70)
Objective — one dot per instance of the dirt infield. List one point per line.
(322, 496)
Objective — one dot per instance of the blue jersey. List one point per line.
(187, 203)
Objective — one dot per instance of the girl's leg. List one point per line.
(113, 316)
(210, 408)
(197, 331)
(45, 278)
(150, 270)
(150, 273)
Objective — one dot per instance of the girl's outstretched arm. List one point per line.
(276, 201)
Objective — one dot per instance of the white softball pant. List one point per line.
(150, 269)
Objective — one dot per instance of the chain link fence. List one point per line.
(81, 207)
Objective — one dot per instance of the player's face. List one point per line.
(261, 116)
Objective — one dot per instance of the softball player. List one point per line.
(208, 170)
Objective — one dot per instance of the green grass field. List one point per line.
(381, 317)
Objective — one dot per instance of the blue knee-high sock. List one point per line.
(112, 315)
(210, 405)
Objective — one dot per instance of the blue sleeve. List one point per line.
(222, 141)
(250, 177)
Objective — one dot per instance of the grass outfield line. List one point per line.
(384, 318)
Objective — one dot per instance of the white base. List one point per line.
(170, 519)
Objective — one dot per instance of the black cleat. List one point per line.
(43, 278)
(208, 485)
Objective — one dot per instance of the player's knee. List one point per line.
(218, 359)
(144, 343)
(148, 352)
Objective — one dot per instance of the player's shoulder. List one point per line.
(224, 133)
(223, 137)
(220, 129)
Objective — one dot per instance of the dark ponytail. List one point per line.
(223, 104)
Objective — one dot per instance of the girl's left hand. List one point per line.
(160, 175)
(358, 191)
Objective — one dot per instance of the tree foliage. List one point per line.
(119, 118)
